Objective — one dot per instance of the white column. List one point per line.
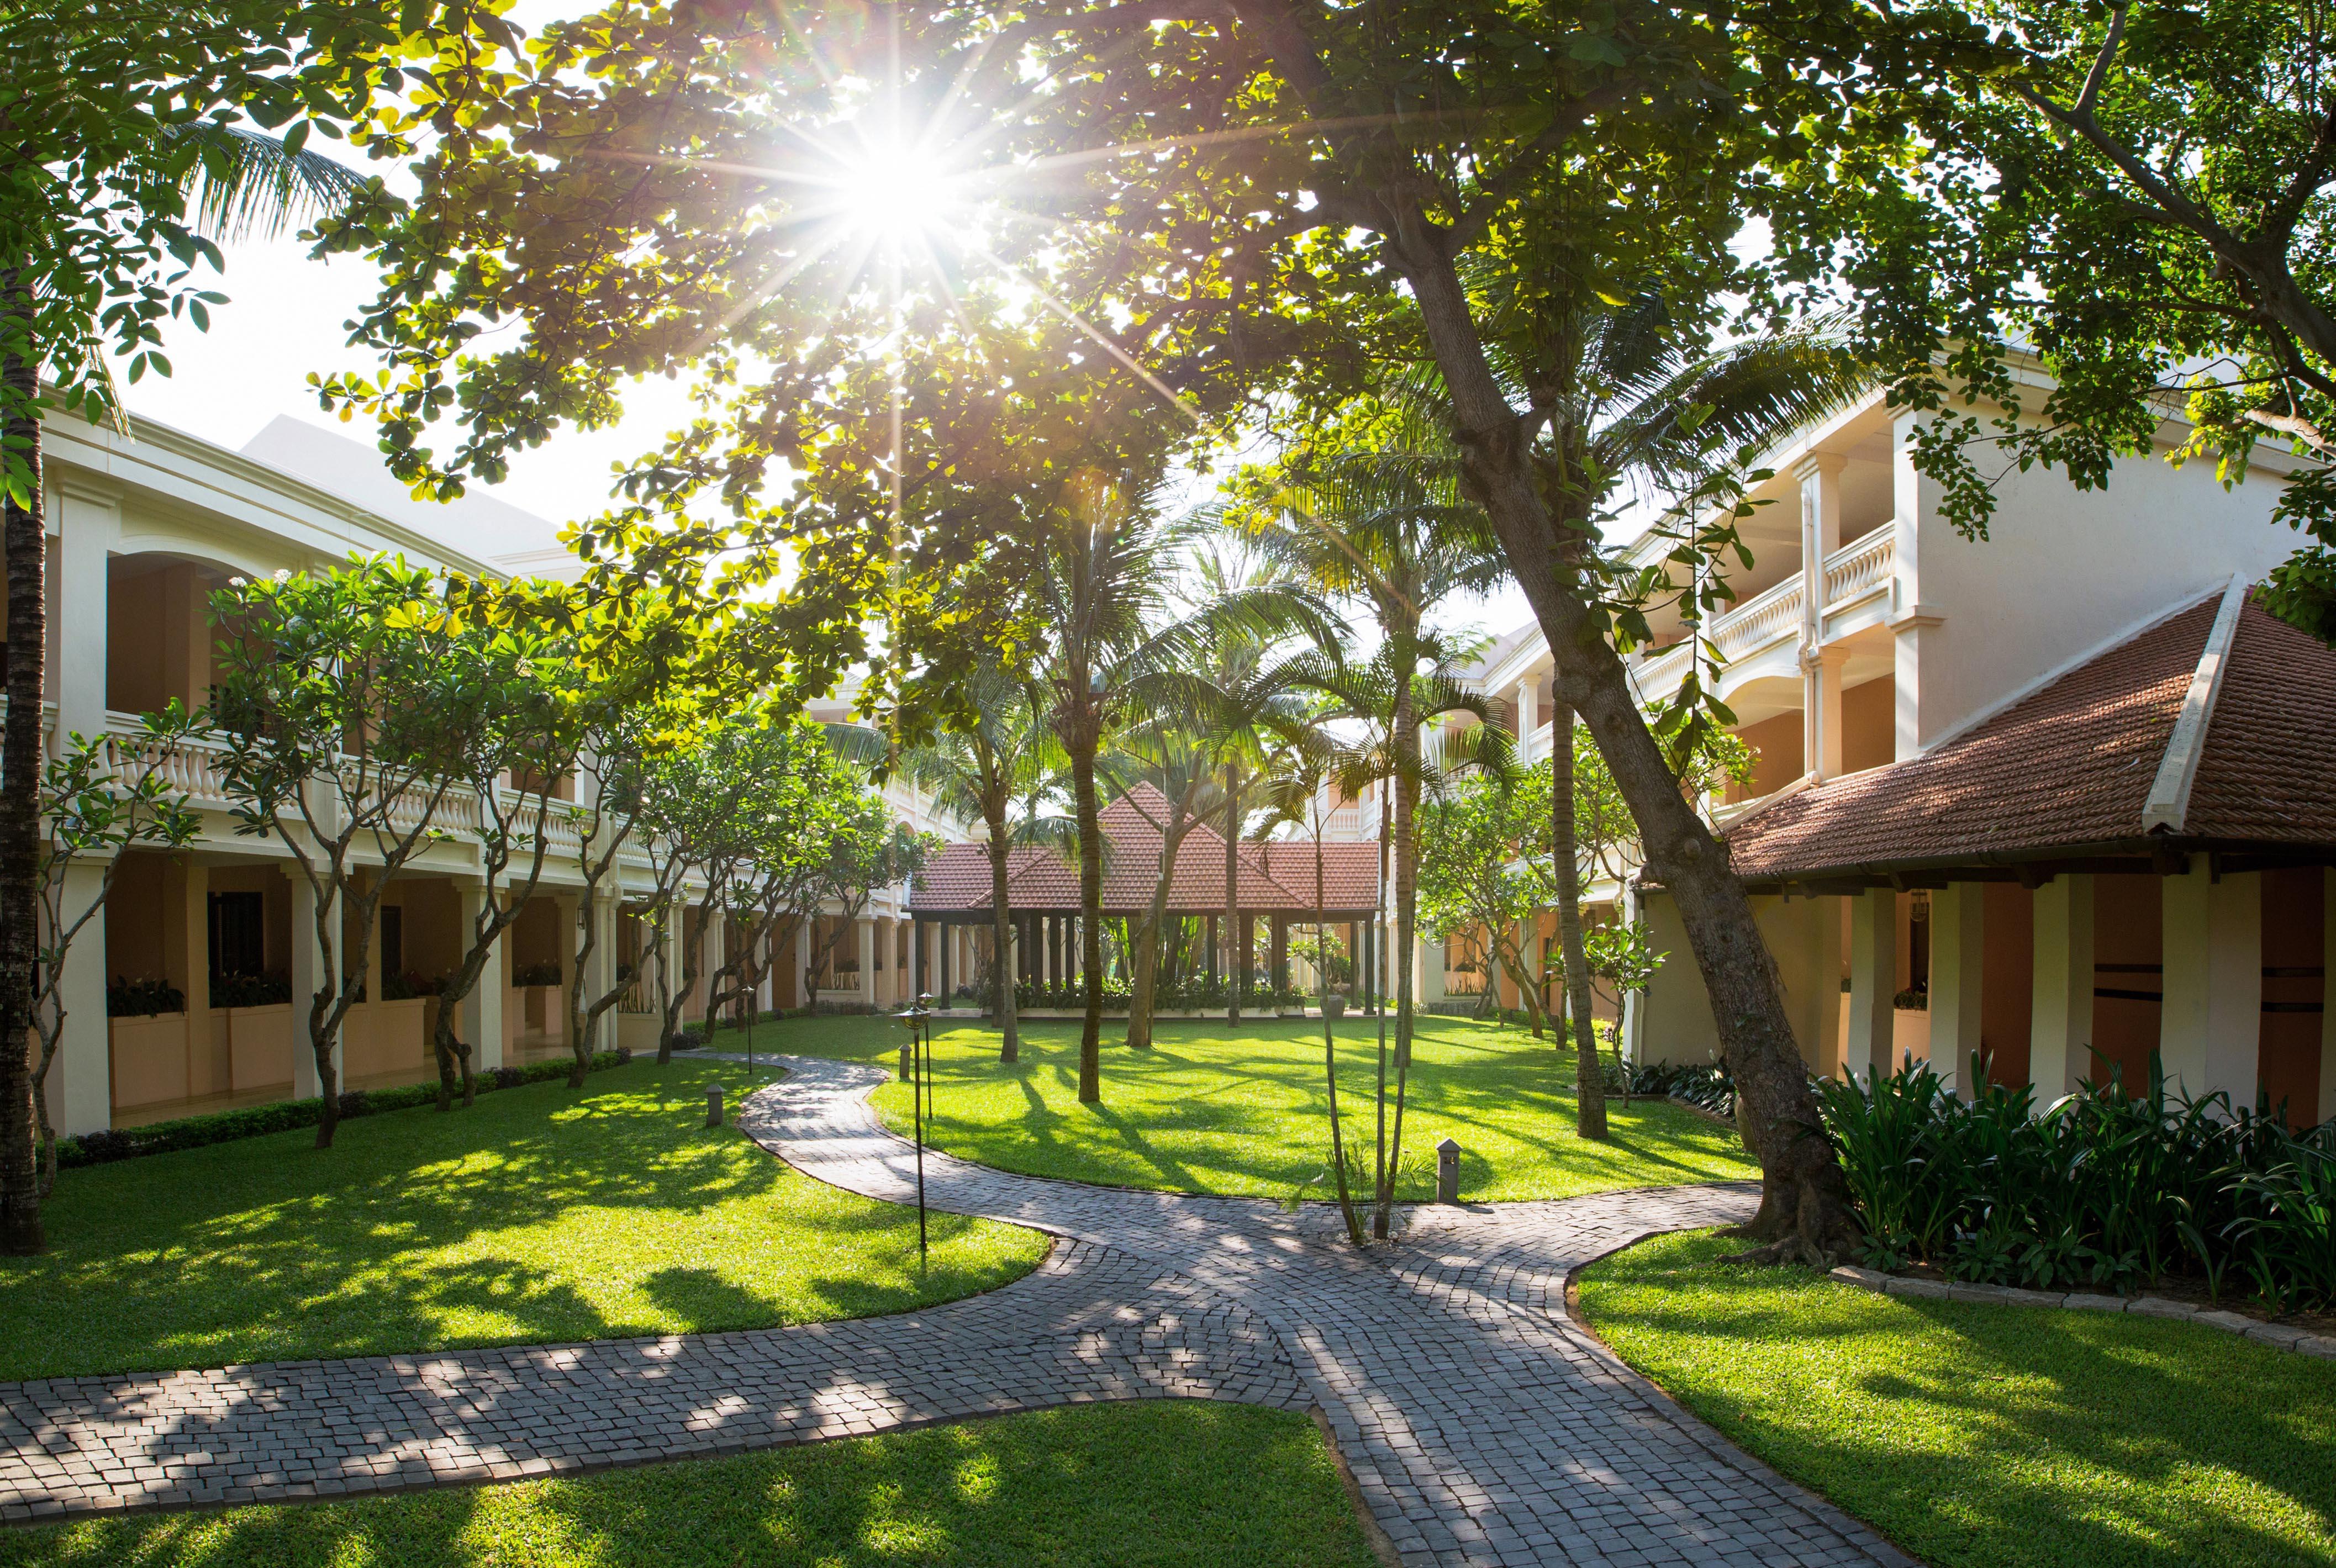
(1428, 979)
(307, 975)
(1873, 981)
(1820, 481)
(867, 960)
(2061, 1022)
(1958, 954)
(2211, 1022)
(1831, 1056)
(88, 521)
(765, 961)
(2328, 994)
(802, 955)
(1528, 714)
(80, 1087)
(482, 1023)
(710, 960)
(601, 975)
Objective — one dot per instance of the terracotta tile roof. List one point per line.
(1276, 876)
(2068, 770)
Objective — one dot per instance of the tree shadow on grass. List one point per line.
(1976, 1435)
(271, 1248)
(1153, 1484)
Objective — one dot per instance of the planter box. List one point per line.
(385, 1038)
(150, 1059)
(260, 1045)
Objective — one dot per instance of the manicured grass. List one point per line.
(1991, 1437)
(1209, 1110)
(1188, 1485)
(541, 1213)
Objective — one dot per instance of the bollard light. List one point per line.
(1447, 1172)
(908, 1062)
(714, 1106)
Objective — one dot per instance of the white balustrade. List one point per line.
(1762, 620)
(1861, 566)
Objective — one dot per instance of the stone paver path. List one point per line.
(1480, 1425)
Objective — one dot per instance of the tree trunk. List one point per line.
(1083, 786)
(321, 1026)
(1590, 1087)
(1805, 1202)
(1237, 947)
(1143, 981)
(1406, 899)
(1001, 919)
(25, 536)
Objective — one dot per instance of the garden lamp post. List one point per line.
(919, 1020)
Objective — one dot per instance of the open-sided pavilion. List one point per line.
(1275, 881)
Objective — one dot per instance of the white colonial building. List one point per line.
(142, 527)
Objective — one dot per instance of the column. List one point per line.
(308, 971)
(1528, 695)
(2060, 1026)
(1245, 952)
(1830, 1054)
(1277, 956)
(803, 928)
(1820, 480)
(601, 975)
(1915, 496)
(87, 520)
(867, 961)
(1873, 981)
(1428, 979)
(2328, 994)
(481, 1025)
(2211, 1022)
(917, 957)
(711, 952)
(1209, 935)
(1958, 960)
(80, 1087)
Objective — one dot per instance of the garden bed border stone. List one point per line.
(2277, 1336)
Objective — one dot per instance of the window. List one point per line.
(239, 934)
(393, 940)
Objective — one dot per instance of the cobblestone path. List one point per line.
(1480, 1425)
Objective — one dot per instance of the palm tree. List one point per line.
(1167, 754)
(1252, 690)
(1298, 774)
(1630, 408)
(983, 770)
(242, 182)
(1389, 709)
(1105, 591)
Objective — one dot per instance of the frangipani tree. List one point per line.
(345, 701)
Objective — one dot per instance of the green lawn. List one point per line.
(541, 1213)
(1180, 1484)
(1207, 1110)
(1991, 1437)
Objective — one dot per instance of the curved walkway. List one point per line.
(1480, 1425)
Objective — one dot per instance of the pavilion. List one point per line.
(1274, 880)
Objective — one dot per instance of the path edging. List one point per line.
(2273, 1336)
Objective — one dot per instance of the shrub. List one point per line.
(1703, 1083)
(250, 991)
(143, 998)
(413, 983)
(2103, 1189)
(111, 1144)
(536, 975)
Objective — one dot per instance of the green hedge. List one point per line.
(112, 1144)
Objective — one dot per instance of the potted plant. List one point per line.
(1334, 1004)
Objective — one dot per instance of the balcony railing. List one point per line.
(195, 764)
(1768, 617)
(1855, 569)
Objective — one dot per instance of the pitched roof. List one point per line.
(1276, 876)
(2068, 770)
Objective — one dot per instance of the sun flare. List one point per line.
(893, 192)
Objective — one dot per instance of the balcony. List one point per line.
(1858, 574)
(195, 764)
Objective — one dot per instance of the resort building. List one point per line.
(143, 525)
(2048, 800)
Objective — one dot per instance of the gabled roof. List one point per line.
(1276, 876)
(2068, 771)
